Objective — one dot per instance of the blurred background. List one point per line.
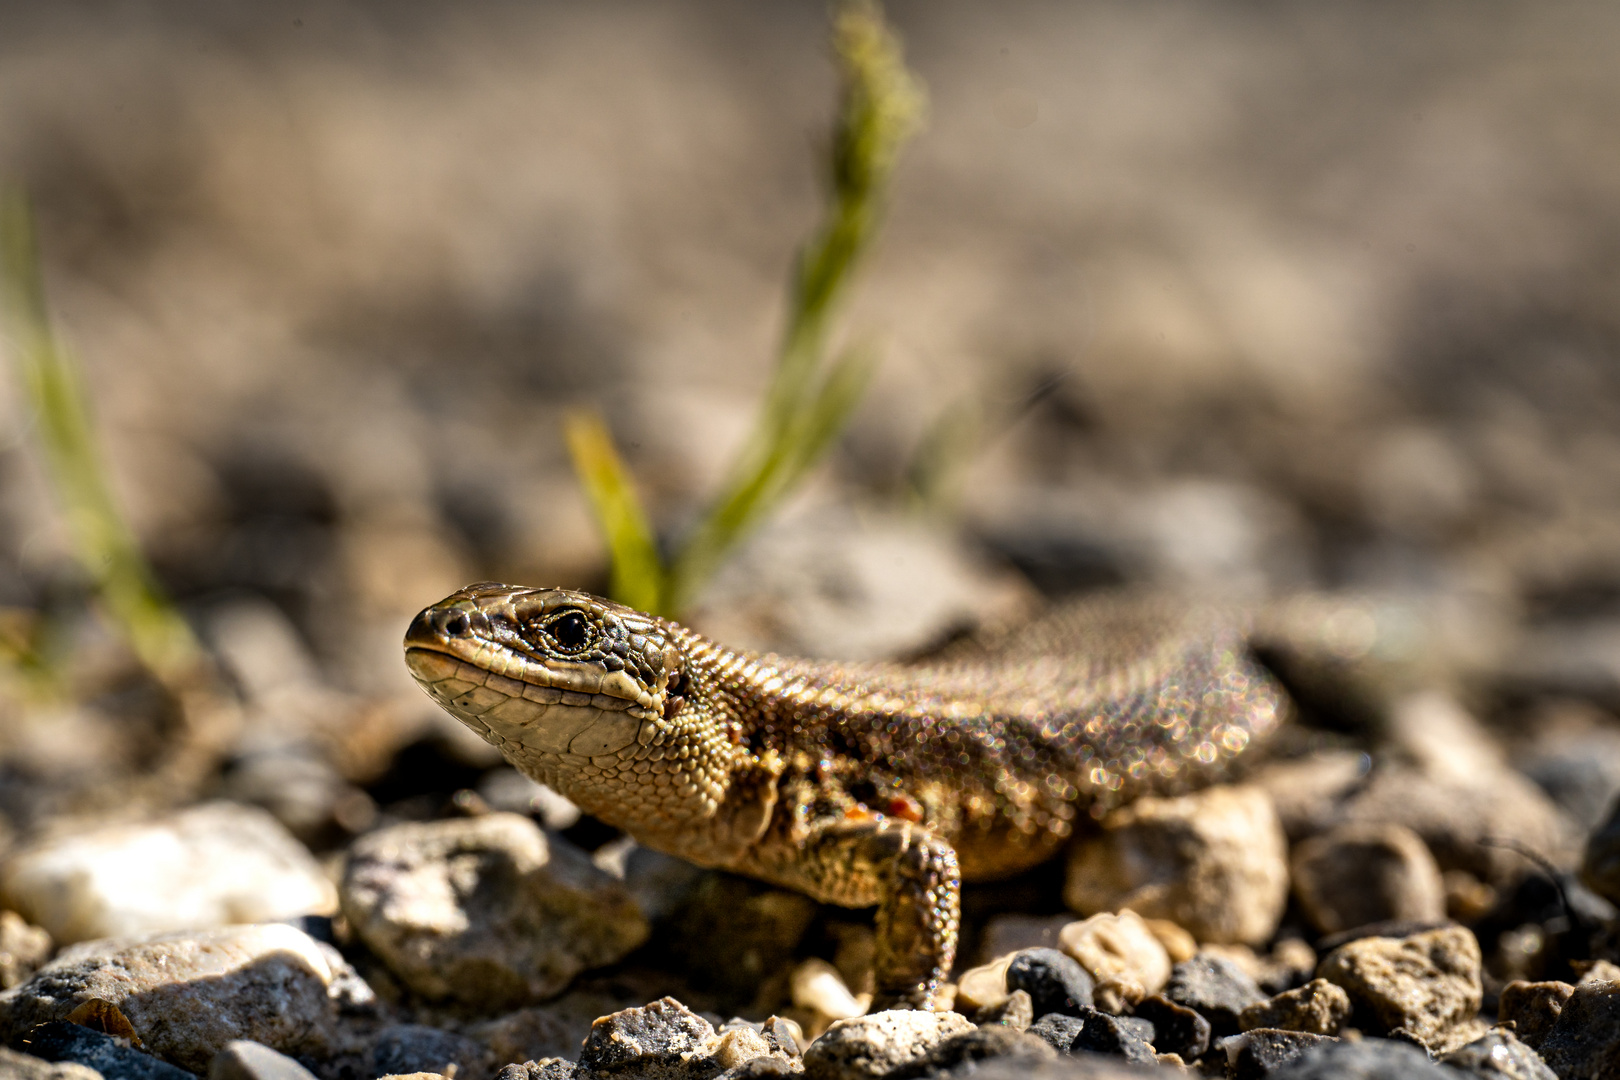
(1255, 297)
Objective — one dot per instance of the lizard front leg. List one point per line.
(912, 877)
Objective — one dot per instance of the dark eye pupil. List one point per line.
(569, 631)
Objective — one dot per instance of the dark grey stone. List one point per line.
(1216, 988)
(409, 1048)
(960, 1053)
(1500, 1056)
(1369, 1059)
(114, 1059)
(1057, 1030)
(1128, 1037)
(1054, 981)
(1585, 1040)
(1263, 1051)
(1177, 1029)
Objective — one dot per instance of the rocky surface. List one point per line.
(1499, 1055)
(1585, 1039)
(188, 995)
(1213, 863)
(1216, 988)
(486, 909)
(205, 867)
(109, 1057)
(244, 1060)
(15, 1066)
(1318, 1008)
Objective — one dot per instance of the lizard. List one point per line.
(858, 784)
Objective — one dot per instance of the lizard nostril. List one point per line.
(456, 624)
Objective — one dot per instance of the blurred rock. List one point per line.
(1306, 791)
(1572, 751)
(1214, 863)
(984, 986)
(15, 1066)
(1178, 943)
(1359, 874)
(1600, 863)
(757, 926)
(1057, 1031)
(244, 1060)
(23, 948)
(1319, 1008)
(824, 581)
(188, 995)
(1004, 934)
(1499, 1056)
(486, 910)
(1532, 1007)
(1366, 1059)
(1585, 1040)
(879, 1044)
(1055, 982)
(212, 865)
(961, 1055)
(80, 1051)
(1265, 1052)
(1472, 824)
(1177, 1029)
(509, 790)
(1119, 952)
(661, 1041)
(413, 1048)
(1016, 1012)
(1426, 983)
(818, 988)
(556, 1029)
(295, 782)
(1216, 989)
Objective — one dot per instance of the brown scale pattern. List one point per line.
(858, 784)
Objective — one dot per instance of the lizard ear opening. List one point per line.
(675, 693)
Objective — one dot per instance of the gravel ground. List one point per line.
(1310, 305)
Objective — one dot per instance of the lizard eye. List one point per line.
(570, 631)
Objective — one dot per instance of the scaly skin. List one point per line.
(857, 784)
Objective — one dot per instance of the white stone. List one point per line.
(211, 865)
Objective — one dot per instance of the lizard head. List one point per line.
(549, 671)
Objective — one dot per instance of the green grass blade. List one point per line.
(637, 570)
(104, 544)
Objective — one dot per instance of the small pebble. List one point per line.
(817, 987)
(1122, 1036)
(1017, 1012)
(1216, 988)
(1317, 1008)
(544, 1069)
(1214, 863)
(1368, 1059)
(1057, 1031)
(1499, 1056)
(983, 987)
(1264, 1052)
(661, 1041)
(965, 1051)
(1532, 1008)
(1359, 874)
(1055, 982)
(1176, 1028)
(243, 1059)
(1585, 1040)
(1426, 982)
(1121, 955)
(878, 1044)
